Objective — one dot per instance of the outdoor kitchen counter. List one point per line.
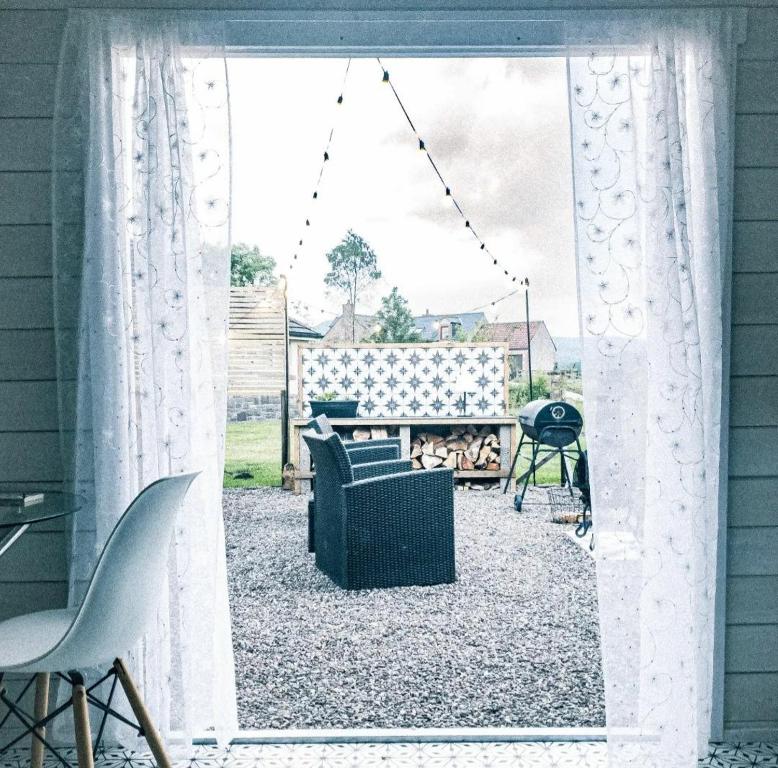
(505, 427)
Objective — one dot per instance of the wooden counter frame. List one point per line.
(506, 428)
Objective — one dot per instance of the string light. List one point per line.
(325, 157)
(494, 301)
(423, 146)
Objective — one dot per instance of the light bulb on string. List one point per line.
(434, 167)
(325, 155)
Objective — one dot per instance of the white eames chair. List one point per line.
(119, 604)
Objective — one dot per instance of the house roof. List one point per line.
(363, 327)
(299, 330)
(428, 324)
(515, 334)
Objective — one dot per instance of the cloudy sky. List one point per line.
(498, 131)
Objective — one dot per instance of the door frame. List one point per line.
(479, 34)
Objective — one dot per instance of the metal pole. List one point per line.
(529, 341)
(285, 399)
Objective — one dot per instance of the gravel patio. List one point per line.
(513, 643)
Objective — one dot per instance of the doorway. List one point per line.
(514, 643)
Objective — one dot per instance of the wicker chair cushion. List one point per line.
(321, 425)
(330, 457)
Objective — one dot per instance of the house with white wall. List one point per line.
(524, 341)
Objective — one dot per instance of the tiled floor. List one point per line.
(742, 756)
(414, 755)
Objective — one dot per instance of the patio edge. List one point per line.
(413, 735)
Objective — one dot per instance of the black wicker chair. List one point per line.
(381, 524)
(360, 452)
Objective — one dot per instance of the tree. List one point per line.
(478, 334)
(395, 321)
(353, 267)
(249, 267)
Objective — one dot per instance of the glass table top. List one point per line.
(54, 504)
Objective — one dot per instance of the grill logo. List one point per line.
(558, 412)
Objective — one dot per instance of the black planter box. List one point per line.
(334, 409)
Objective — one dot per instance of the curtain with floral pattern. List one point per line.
(651, 118)
(141, 270)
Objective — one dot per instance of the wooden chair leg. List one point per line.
(150, 731)
(81, 722)
(37, 748)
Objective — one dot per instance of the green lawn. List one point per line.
(253, 448)
(548, 474)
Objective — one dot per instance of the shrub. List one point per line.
(518, 392)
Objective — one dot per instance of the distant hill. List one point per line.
(568, 350)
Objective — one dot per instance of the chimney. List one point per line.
(427, 312)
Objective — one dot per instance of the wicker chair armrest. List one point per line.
(380, 468)
(367, 454)
(379, 441)
(431, 488)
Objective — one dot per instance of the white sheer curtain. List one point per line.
(141, 230)
(651, 113)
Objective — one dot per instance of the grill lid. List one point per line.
(558, 422)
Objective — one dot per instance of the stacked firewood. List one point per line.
(465, 448)
(370, 433)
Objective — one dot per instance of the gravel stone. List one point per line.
(514, 642)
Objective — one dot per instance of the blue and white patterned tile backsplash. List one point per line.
(426, 380)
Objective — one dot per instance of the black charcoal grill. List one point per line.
(551, 422)
(552, 427)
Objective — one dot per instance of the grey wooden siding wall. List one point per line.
(32, 576)
(751, 683)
